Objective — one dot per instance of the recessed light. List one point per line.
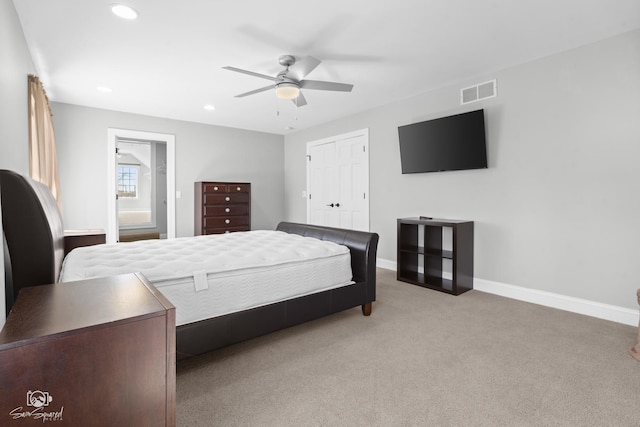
(209, 107)
(124, 12)
(104, 89)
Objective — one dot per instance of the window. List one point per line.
(128, 181)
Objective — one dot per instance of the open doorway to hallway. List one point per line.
(141, 193)
(142, 189)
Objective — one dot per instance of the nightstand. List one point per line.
(76, 238)
(92, 352)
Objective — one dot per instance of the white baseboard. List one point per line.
(386, 264)
(575, 305)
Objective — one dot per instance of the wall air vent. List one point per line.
(478, 92)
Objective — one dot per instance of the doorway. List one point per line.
(141, 205)
(338, 181)
(141, 193)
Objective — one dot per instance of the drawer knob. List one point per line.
(227, 210)
(227, 199)
(215, 188)
(226, 221)
(239, 188)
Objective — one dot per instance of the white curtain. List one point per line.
(43, 161)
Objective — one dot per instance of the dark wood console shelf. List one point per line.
(424, 255)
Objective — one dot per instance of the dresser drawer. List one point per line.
(223, 230)
(231, 221)
(238, 188)
(227, 210)
(221, 199)
(214, 187)
(221, 187)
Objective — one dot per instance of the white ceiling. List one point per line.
(168, 63)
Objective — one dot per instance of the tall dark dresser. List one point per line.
(222, 207)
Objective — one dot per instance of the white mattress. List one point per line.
(209, 276)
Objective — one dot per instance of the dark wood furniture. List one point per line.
(222, 207)
(33, 256)
(422, 252)
(103, 350)
(200, 337)
(77, 238)
(33, 237)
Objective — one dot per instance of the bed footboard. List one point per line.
(201, 337)
(363, 246)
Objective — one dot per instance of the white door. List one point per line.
(338, 181)
(323, 185)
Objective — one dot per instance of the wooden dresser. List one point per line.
(222, 207)
(89, 353)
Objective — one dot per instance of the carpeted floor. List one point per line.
(423, 358)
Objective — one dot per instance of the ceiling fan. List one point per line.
(288, 82)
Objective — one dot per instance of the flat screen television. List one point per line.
(449, 143)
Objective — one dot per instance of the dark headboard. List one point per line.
(33, 232)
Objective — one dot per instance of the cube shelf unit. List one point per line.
(423, 254)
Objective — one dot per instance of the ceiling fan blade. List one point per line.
(300, 101)
(318, 85)
(300, 69)
(251, 73)
(262, 89)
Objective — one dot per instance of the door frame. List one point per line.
(112, 138)
(337, 138)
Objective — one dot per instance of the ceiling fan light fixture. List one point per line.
(287, 91)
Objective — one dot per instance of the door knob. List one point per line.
(330, 205)
(337, 205)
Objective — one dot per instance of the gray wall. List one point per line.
(203, 152)
(558, 208)
(15, 66)
(161, 189)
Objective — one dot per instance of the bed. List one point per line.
(33, 242)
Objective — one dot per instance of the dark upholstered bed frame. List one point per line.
(33, 240)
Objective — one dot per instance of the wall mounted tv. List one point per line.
(449, 143)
